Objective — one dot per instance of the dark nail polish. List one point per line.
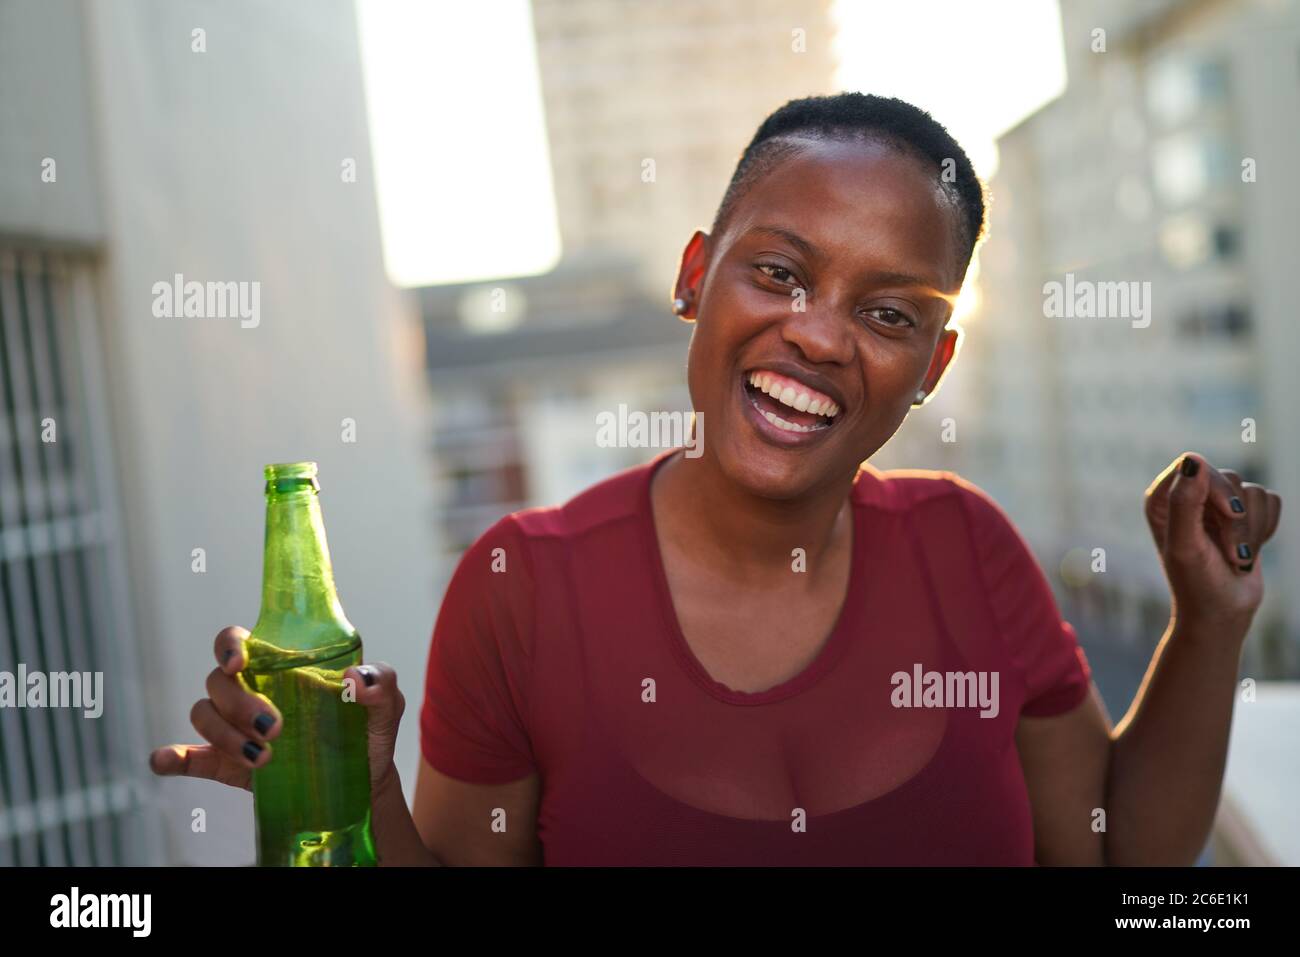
(252, 750)
(263, 723)
(1247, 567)
(1190, 466)
(1243, 552)
(226, 656)
(1236, 504)
(368, 677)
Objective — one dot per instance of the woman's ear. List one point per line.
(695, 262)
(944, 352)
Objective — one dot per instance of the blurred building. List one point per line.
(518, 406)
(141, 141)
(1167, 160)
(680, 84)
(648, 108)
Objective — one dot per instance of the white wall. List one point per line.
(225, 166)
(43, 114)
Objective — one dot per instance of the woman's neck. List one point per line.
(709, 517)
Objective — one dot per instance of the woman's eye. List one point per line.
(779, 273)
(892, 317)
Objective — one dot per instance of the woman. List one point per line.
(771, 653)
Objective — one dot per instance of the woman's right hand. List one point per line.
(239, 724)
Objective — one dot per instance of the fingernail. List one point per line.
(1190, 466)
(1236, 504)
(1243, 551)
(226, 657)
(368, 676)
(1247, 567)
(252, 750)
(263, 723)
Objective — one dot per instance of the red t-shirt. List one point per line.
(557, 651)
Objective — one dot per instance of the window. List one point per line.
(70, 785)
(1231, 320)
(1179, 86)
(1185, 166)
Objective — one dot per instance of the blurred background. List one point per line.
(464, 221)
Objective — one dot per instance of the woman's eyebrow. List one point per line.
(794, 239)
(880, 278)
(907, 279)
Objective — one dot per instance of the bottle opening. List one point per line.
(290, 477)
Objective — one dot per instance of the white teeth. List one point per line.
(781, 423)
(787, 395)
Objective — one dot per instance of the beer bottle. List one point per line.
(312, 799)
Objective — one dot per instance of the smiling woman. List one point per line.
(734, 705)
(697, 660)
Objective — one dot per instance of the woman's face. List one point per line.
(834, 281)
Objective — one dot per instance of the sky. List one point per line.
(465, 74)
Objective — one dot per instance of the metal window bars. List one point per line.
(72, 787)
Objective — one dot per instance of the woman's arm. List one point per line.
(483, 825)
(455, 822)
(1146, 792)
(1158, 776)
(1169, 752)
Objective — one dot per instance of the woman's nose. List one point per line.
(818, 331)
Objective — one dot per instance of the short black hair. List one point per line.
(863, 116)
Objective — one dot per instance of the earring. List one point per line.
(920, 397)
(679, 306)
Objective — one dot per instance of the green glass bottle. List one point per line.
(312, 799)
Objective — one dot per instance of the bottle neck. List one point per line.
(297, 577)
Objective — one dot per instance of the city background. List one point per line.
(260, 142)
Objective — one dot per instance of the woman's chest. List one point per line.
(956, 811)
(647, 758)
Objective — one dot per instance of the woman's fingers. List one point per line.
(250, 712)
(199, 761)
(376, 690)
(229, 649)
(1189, 491)
(1235, 518)
(1274, 514)
(228, 739)
(235, 721)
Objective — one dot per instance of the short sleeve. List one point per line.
(1043, 646)
(473, 723)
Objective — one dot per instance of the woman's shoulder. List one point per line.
(904, 489)
(619, 497)
(940, 503)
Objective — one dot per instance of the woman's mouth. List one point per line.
(790, 411)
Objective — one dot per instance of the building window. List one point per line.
(1178, 87)
(71, 785)
(1185, 166)
(1230, 320)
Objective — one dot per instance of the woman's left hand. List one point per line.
(1209, 527)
